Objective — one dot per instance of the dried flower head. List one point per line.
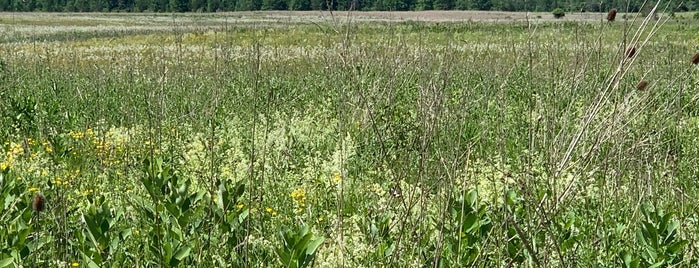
(695, 59)
(630, 52)
(611, 16)
(642, 85)
(39, 202)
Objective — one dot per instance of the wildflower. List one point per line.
(76, 135)
(239, 206)
(39, 202)
(271, 211)
(299, 198)
(33, 189)
(336, 177)
(299, 195)
(75, 264)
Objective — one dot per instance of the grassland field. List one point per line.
(348, 139)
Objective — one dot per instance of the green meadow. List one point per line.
(258, 140)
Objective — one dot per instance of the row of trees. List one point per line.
(243, 5)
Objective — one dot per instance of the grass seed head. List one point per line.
(611, 16)
(39, 203)
(630, 52)
(695, 59)
(642, 85)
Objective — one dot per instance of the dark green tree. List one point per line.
(299, 4)
(481, 4)
(243, 5)
(274, 5)
(443, 4)
(424, 4)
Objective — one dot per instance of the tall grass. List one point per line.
(349, 143)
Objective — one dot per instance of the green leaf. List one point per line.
(472, 196)
(470, 223)
(310, 250)
(627, 259)
(676, 247)
(88, 261)
(6, 262)
(243, 215)
(300, 246)
(657, 264)
(663, 222)
(284, 256)
(182, 253)
(239, 191)
(650, 233)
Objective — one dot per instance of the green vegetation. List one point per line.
(238, 142)
(365, 5)
(558, 13)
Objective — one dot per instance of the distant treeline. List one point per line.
(366, 5)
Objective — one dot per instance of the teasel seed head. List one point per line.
(39, 203)
(611, 16)
(630, 52)
(642, 85)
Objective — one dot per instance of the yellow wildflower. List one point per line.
(76, 135)
(299, 198)
(239, 206)
(271, 211)
(34, 189)
(337, 177)
(75, 264)
(299, 194)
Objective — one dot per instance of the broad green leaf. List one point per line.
(472, 196)
(6, 262)
(182, 253)
(657, 264)
(662, 227)
(470, 223)
(300, 246)
(676, 247)
(310, 250)
(627, 259)
(243, 215)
